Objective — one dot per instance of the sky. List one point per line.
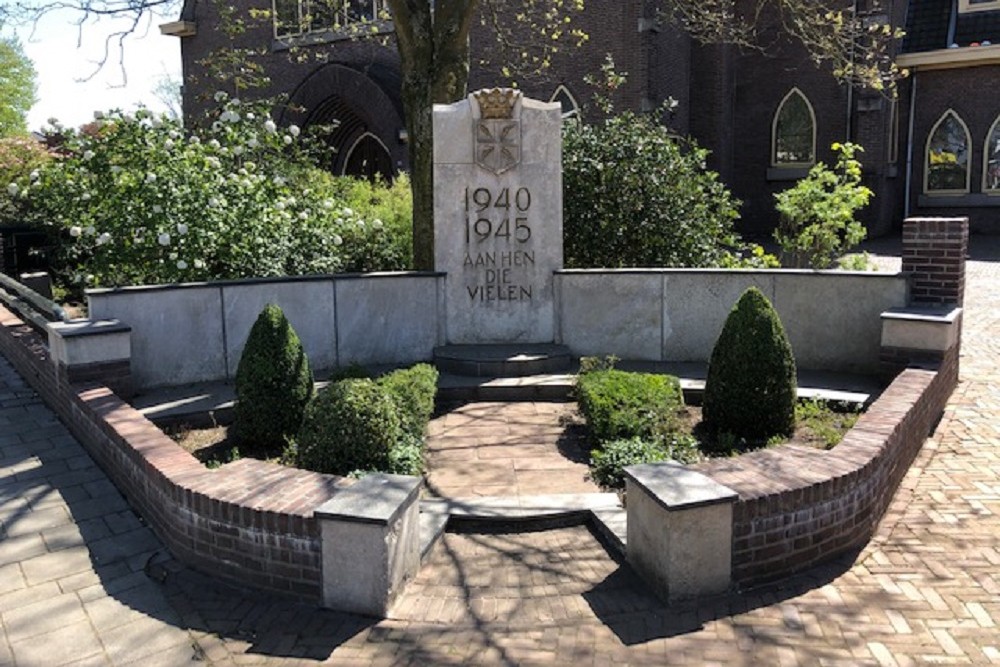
(61, 65)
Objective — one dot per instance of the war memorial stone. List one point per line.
(498, 215)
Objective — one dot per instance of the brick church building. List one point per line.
(766, 118)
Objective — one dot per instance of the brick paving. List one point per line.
(507, 449)
(926, 590)
(72, 553)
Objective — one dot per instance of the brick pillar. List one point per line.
(928, 332)
(934, 252)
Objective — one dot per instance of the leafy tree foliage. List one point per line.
(17, 88)
(636, 195)
(137, 200)
(817, 213)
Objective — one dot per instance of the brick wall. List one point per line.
(934, 252)
(249, 521)
(799, 506)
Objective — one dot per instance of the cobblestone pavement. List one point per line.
(926, 590)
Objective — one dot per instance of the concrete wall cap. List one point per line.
(675, 487)
(378, 499)
(88, 328)
(929, 313)
(255, 281)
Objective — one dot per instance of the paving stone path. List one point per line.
(926, 590)
(507, 449)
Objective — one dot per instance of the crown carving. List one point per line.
(497, 102)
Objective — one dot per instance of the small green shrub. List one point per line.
(750, 389)
(413, 390)
(817, 213)
(273, 385)
(607, 464)
(351, 425)
(617, 404)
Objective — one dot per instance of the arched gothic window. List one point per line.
(947, 161)
(793, 132)
(570, 109)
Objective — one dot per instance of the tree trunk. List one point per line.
(434, 53)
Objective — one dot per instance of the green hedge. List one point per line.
(363, 425)
(350, 426)
(617, 404)
(414, 390)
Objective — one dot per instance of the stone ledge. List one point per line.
(676, 487)
(377, 499)
(930, 328)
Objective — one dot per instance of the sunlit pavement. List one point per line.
(926, 590)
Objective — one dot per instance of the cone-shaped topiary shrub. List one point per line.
(351, 425)
(750, 390)
(273, 385)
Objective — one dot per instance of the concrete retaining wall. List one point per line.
(831, 317)
(196, 332)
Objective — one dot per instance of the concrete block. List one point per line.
(934, 329)
(679, 530)
(696, 304)
(370, 543)
(308, 305)
(612, 312)
(177, 332)
(89, 342)
(387, 319)
(832, 318)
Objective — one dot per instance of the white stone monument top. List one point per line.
(498, 215)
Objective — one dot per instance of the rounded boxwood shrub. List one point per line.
(353, 425)
(618, 404)
(273, 385)
(750, 389)
(414, 390)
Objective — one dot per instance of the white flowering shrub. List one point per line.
(140, 201)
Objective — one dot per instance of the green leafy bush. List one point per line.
(273, 385)
(414, 390)
(817, 213)
(617, 404)
(351, 425)
(139, 200)
(636, 195)
(608, 463)
(750, 390)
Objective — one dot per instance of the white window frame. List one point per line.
(774, 132)
(965, 6)
(927, 157)
(357, 142)
(986, 157)
(575, 112)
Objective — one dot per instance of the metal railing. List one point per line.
(29, 304)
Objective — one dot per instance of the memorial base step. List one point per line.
(502, 361)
